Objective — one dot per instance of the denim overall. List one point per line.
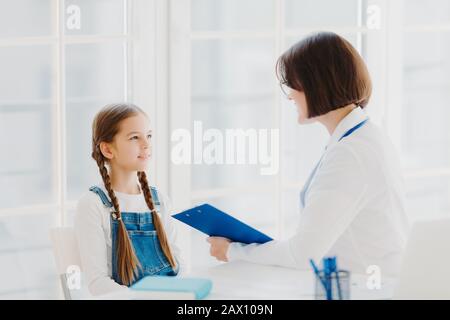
(143, 237)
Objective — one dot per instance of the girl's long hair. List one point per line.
(104, 128)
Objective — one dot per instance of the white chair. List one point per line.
(424, 273)
(67, 256)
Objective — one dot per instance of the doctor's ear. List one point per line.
(105, 149)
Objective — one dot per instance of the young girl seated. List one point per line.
(123, 226)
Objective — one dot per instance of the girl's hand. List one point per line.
(219, 247)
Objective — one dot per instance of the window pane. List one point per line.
(26, 74)
(418, 12)
(26, 18)
(95, 77)
(25, 125)
(238, 69)
(95, 70)
(317, 13)
(426, 92)
(26, 164)
(227, 15)
(89, 17)
(26, 257)
(232, 89)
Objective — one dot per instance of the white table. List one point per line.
(242, 280)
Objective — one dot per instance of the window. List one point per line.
(425, 87)
(61, 61)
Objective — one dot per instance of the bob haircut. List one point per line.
(329, 70)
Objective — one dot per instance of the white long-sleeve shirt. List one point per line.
(354, 208)
(93, 233)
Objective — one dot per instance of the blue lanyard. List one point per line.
(351, 130)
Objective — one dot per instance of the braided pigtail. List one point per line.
(156, 219)
(127, 261)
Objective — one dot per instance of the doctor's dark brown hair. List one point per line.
(329, 70)
(105, 126)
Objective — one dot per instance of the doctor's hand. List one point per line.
(219, 247)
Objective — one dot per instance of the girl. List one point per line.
(353, 202)
(123, 226)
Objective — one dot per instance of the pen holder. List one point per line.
(338, 290)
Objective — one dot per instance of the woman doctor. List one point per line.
(352, 203)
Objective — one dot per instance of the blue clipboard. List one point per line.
(217, 223)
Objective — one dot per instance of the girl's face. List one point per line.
(299, 99)
(131, 149)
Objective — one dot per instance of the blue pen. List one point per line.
(326, 267)
(316, 271)
(336, 270)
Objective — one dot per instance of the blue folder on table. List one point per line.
(217, 223)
